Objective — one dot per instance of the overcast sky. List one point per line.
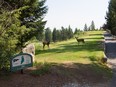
(75, 13)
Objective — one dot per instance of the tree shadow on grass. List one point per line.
(94, 38)
(73, 47)
(95, 34)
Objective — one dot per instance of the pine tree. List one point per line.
(48, 35)
(85, 27)
(10, 31)
(63, 33)
(15, 29)
(54, 35)
(75, 32)
(58, 35)
(92, 25)
(31, 17)
(111, 17)
(69, 32)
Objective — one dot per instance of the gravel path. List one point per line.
(110, 52)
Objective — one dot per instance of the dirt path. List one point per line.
(110, 52)
(55, 79)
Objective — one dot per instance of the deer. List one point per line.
(80, 40)
(46, 43)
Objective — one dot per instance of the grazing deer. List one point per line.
(80, 40)
(46, 43)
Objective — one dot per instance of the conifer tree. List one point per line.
(92, 25)
(31, 17)
(20, 20)
(63, 33)
(54, 35)
(69, 32)
(58, 35)
(85, 27)
(111, 17)
(48, 34)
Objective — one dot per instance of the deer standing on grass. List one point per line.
(46, 43)
(80, 40)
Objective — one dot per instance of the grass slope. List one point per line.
(72, 59)
(70, 51)
(65, 62)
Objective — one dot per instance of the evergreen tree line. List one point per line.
(58, 34)
(111, 17)
(90, 28)
(20, 20)
(63, 33)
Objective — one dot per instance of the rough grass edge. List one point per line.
(41, 68)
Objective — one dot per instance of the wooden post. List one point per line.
(22, 71)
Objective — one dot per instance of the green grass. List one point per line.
(70, 51)
(87, 55)
(41, 68)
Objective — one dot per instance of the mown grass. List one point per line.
(70, 51)
(87, 54)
